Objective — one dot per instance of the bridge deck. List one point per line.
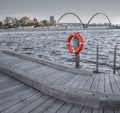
(98, 90)
(16, 97)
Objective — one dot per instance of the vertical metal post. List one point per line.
(76, 44)
(77, 61)
(97, 58)
(114, 64)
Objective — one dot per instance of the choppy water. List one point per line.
(51, 45)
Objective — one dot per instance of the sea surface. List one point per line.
(51, 45)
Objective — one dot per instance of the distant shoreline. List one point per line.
(54, 29)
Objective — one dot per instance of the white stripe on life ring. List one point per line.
(68, 43)
(81, 43)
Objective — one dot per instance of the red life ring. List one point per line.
(80, 40)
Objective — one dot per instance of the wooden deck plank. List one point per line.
(86, 110)
(4, 56)
(115, 88)
(58, 76)
(18, 61)
(30, 106)
(97, 110)
(77, 82)
(11, 92)
(108, 111)
(117, 111)
(108, 88)
(101, 85)
(6, 77)
(21, 64)
(25, 65)
(8, 81)
(67, 79)
(36, 70)
(7, 84)
(44, 106)
(89, 83)
(63, 79)
(53, 77)
(16, 104)
(3, 77)
(3, 80)
(31, 67)
(12, 105)
(55, 107)
(49, 74)
(11, 61)
(83, 82)
(10, 88)
(117, 80)
(106, 84)
(41, 70)
(16, 95)
(3, 83)
(76, 109)
(72, 80)
(95, 83)
(46, 71)
(65, 108)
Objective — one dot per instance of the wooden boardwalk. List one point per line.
(16, 97)
(96, 90)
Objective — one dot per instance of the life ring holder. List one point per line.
(80, 40)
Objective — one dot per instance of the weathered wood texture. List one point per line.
(19, 98)
(98, 90)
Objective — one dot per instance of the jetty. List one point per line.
(36, 86)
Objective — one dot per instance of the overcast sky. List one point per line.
(42, 9)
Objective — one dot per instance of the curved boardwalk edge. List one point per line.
(19, 98)
(67, 94)
(48, 63)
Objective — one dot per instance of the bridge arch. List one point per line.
(68, 14)
(99, 14)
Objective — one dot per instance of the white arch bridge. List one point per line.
(81, 24)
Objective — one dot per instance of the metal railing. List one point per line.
(77, 65)
(97, 60)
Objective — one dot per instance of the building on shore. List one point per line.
(28, 21)
(52, 20)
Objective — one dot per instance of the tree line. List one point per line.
(10, 22)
